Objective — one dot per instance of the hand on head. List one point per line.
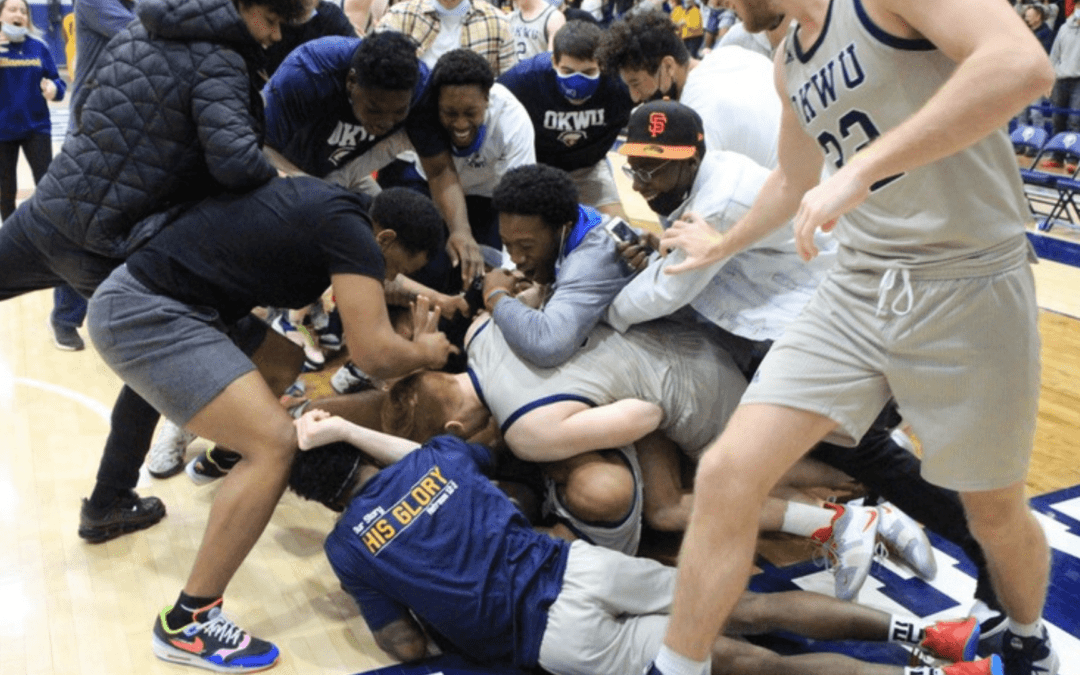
(318, 427)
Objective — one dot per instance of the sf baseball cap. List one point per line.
(665, 130)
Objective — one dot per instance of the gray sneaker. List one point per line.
(166, 456)
(66, 338)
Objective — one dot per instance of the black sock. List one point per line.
(105, 496)
(225, 459)
(183, 612)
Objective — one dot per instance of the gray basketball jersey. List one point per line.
(623, 536)
(958, 214)
(675, 366)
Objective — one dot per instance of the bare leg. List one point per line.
(733, 657)
(811, 615)
(245, 416)
(667, 504)
(1016, 551)
(759, 444)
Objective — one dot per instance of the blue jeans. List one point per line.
(69, 308)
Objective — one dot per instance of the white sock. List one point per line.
(906, 630)
(671, 663)
(923, 670)
(1026, 629)
(805, 520)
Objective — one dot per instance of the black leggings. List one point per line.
(38, 151)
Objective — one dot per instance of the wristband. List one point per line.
(487, 300)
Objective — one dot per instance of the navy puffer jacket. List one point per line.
(170, 116)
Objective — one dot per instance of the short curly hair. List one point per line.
(386, 60)
(640, 41)
(325, 473)
(462, 67)
(286, 10)
(537, 190)
(413, 217)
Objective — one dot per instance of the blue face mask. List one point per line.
(14, 33)
(577, 87)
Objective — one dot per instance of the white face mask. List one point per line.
(13, 32)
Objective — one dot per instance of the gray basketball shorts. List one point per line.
(596, 184)
(176, 356)
(961, 357)
(610, 616)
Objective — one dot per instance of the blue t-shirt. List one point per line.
(568, 136)
(23, 110)
(432, 534)
(310, 120)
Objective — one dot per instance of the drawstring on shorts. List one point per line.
(888, 281)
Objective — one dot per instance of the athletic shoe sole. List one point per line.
(167, 652)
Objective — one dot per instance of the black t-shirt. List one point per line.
(275, 246)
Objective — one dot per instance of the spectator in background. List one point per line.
(1050, 10)
(1035, 16)
(364, 14)
(28, 80)
(687, 17)
(1065, 57)
(322, 18)
(441, 25)
(533, 24)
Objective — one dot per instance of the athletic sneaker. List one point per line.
(330, 335)
(129, 513)
(908, 539)
(989, 666)
(213, 642)
(349, 380)
(850, 549)
(952, 640)
(211, 465)
(1028, 655)
(66, 338)
(300, 335)
(166, 456)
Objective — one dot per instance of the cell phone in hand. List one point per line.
(621, 232)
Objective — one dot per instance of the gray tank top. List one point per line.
(675, 366)
(960, 216)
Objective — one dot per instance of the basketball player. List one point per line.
(932, 301)
(505, 594)
(616, 390)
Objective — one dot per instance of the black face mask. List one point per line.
(666, 202)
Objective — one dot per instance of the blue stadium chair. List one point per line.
(1067, 187)
(1026, 137)
(1039, 186)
